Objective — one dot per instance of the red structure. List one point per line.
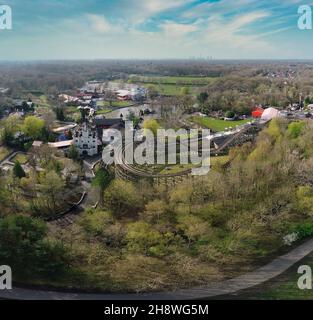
(257, 113)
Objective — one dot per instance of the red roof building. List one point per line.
(257, 113)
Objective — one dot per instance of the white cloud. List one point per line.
(234, 33)
(156, 6)
(171, 29)
(98, 23)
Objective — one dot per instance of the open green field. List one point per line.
(71, 109)
(41, 101)
(216, 124)
(173, 169)
(174, 90)
(185, 80)
(115, 104)
(21, 158)
(172, 86)
(103, 111)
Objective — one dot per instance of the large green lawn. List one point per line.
(41, 101)
(103, 111)
(174, 90)
(21, 158)
(172, 86)
(115, 104)
(174, 80)
(216, 124)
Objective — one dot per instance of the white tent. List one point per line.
(270, 113)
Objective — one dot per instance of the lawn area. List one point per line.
(115, 104)
(4, 152)
(177, 168)
(174, 90)
(41, 101)
(172, 86)
(216, 124)
(184, 80)
(103, 111)
(214, 161)
(21, 158)
(71, 109)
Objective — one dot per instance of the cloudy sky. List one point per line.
(138, 29)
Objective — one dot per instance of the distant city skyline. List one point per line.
(155, 29)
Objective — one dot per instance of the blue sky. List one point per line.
(139, 29)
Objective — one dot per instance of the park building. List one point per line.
(86, 140)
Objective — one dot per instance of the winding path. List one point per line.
(246, 281)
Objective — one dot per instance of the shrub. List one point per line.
(230, 114)
(303, 230)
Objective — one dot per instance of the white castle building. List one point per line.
(86, 140)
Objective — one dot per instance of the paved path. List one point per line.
(268, 272)
(8, 157)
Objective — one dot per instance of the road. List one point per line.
(246, 281)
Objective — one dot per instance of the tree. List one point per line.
(59, 112)
(305, 199)
(11, 126)
(185, 91)
(24, 247)
(18, 171)
(73, 152)
(132, 117)
(52, 186)
(183, 194)
(295, 129)
(33, 127)
(152, 125)
(101, 224)
(203, 97)
(122, 197)
(141, 237)
(6, 136)
(48, 116)
(110, 96)
(155, 209)
(102, 180)
(152, 91)
(230, 115)
(193, 227)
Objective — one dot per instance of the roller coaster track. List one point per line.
(131, 172)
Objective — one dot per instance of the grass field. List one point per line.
(181, 81)
(115, 104)
(214, 161)
(216, 124)
(177, 168)
(41, 101)
(174, 90)
(103, 111)
(21, 158)
(172, 86)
